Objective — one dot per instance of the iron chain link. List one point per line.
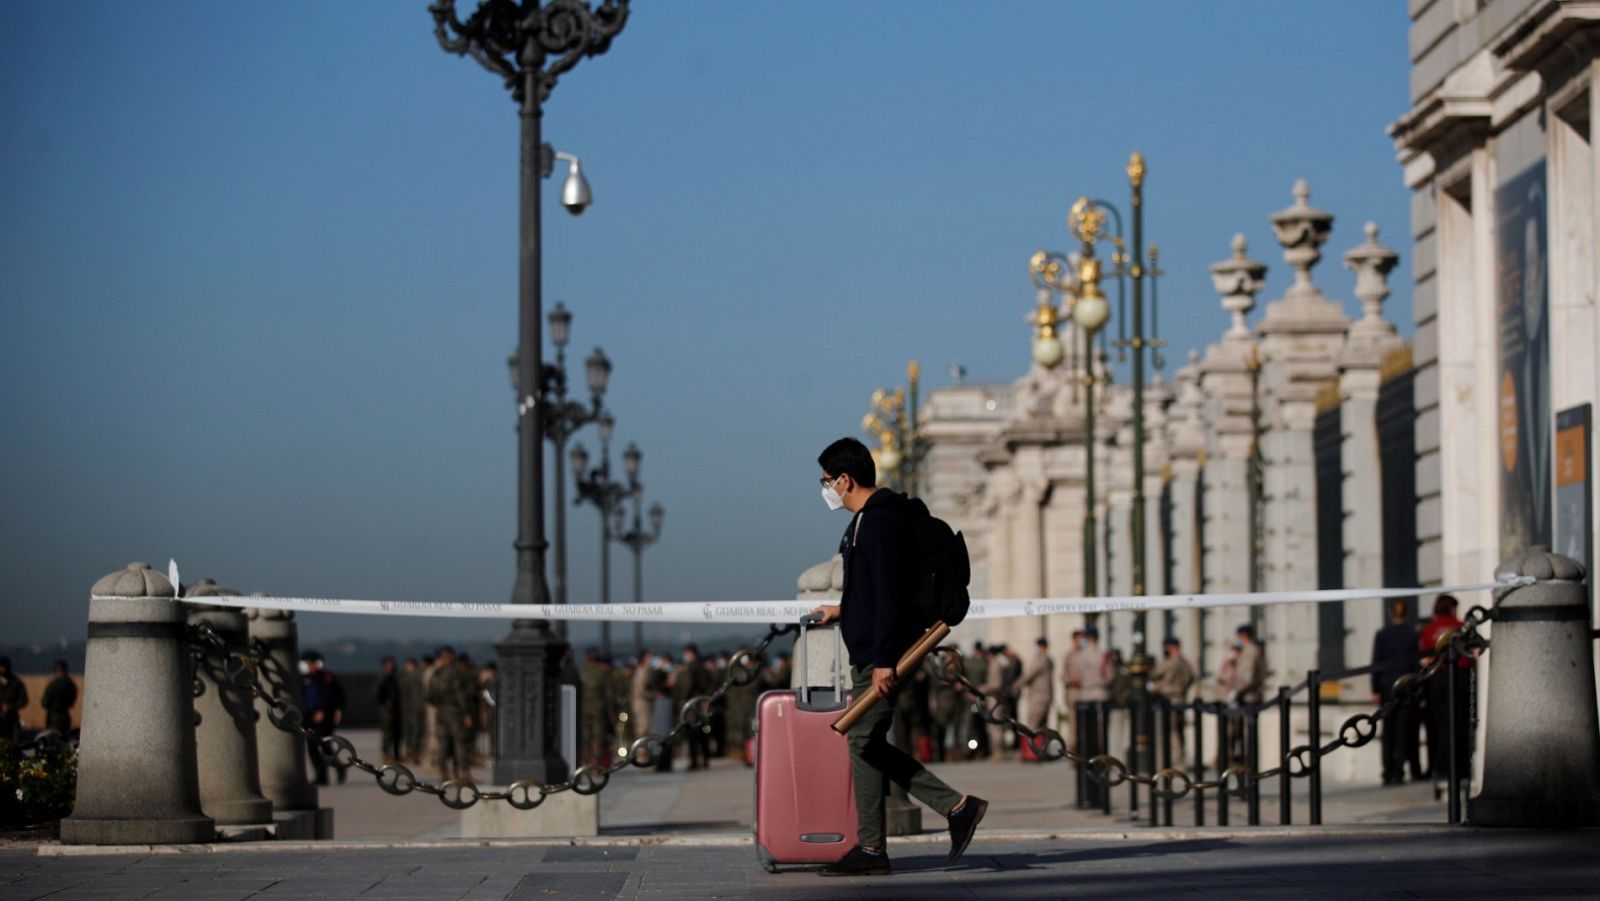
(644, 752)
(524, 794)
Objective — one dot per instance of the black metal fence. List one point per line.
(1179, 753)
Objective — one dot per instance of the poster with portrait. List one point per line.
(1523, 383)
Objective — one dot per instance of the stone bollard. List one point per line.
(230, 790)
(282, 754)
(1541, 762)
(137, 782)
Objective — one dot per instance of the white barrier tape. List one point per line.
(761, 612)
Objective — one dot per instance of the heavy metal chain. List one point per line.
(524, 794)
(1237, 779)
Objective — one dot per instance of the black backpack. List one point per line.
(942, 569)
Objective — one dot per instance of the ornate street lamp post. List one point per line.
(530, 46)
(637, 539)
(565, 416)
(1077, 279)
(892, 420)
(598, 488)
(1088, 224)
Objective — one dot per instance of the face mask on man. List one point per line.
(831, 497)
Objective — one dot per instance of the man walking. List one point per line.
(875, 616)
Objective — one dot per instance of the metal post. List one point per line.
(1079, 734)
(1450, 734)
(638, 574)
(1166, 761)
(1140, 666)
(560, 574)
(1285, 780)
(1222, 764)
(604, 503)
(1104, 747)
(516, 46)
(1252, 760)
(1314, 726)
(1199, 763)
(1091, 580)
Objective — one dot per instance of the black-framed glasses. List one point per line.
(829, 480)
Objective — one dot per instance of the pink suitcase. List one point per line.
(805, 797)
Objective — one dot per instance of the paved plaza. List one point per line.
(1333, 862)
(687, 835)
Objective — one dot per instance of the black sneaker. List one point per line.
(858, 862)
(963, 823)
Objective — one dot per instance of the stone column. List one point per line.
(1541, 759)
(1224, 376)
(281, 754)
(225, 736)
(137, 781)
(1302, 334)
(1371, 338)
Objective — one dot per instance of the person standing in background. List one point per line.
(451, 697)
(1446, 731)
(977, 669)
(59, 696)
(413, 710)
(640, 694)
(322, 697)
(1172, 678)
(1394, 653)
(386, 694)
(1038, 678)
(13, 697)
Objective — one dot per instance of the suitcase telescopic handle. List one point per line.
(807, 623)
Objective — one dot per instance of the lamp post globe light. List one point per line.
(529, 46)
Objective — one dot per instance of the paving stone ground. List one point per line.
(1333, 862)
(687, 835)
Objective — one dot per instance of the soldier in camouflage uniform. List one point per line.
(452, 697)
(593, 694)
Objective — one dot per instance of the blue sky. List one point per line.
(258, 262)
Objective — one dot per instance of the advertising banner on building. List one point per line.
(1574, 513)
(1524, 376)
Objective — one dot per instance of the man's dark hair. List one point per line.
(847, 456)
(61, 665)
(1445, 605)
(387, 658)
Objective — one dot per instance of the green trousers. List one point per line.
(874, 763)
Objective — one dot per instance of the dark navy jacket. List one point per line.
(1394, 650)
(875, 615)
